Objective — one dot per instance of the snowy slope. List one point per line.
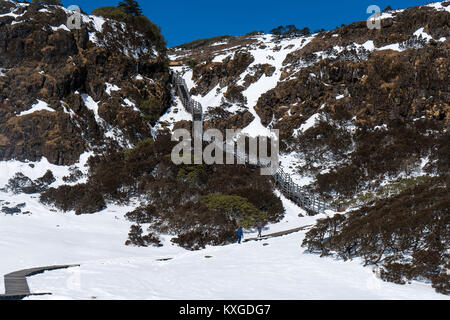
(278, 270)
(110, 270)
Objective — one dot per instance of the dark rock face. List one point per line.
(223, 120)
(43, 133)
(234, 94)
(258, 71)
(394, 30)
(42, 61)
(208, 76)
(388, 85)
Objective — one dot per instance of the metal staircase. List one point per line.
(300, 195)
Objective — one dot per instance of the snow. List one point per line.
(176, 113)
(11, 14)
(420, 33)
(110, 270)
(264, 84)
(311, 122)
(1, 72)
(37, 169)
(40, 106)
(289, 164)
(218, 43)
(112, 133)
(95, 20)
(61, 27)
(394, 46)
(389, 14)
(438, 6)
(339, 97)
(92, 105)
(383, 127)
(369, 45)
(130, 104)
(111, 87)
(221, 57)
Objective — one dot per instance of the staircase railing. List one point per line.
(303, 197)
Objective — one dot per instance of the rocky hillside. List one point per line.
(363, 117)
(64, 92)
(354, 106)
(79, 110)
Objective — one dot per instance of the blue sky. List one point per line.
(182, 21)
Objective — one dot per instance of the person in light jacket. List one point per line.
(259, 227)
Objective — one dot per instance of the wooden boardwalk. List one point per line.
(278, 234)
(300, 195)
(16, 285)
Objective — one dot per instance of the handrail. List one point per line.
(286, 185)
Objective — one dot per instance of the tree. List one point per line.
(51, 2)
(290, 31)
(305, 31)
(130, 7)
(115, 13)
(137, 20)
(278, 31)
(387, 9)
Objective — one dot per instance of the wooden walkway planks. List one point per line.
(16, 285)
(278, 234)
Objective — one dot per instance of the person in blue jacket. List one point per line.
(240, 234)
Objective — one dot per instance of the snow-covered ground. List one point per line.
(39, 106)
(276, 268)
(272, 269)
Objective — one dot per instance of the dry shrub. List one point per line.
(406, 235)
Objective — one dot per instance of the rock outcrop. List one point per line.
(93, 81)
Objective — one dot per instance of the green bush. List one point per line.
(140, 22)
(114, 13)
(152, 108)
(239, 208)
(191, 173)
(141, 144)
(149, 29)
